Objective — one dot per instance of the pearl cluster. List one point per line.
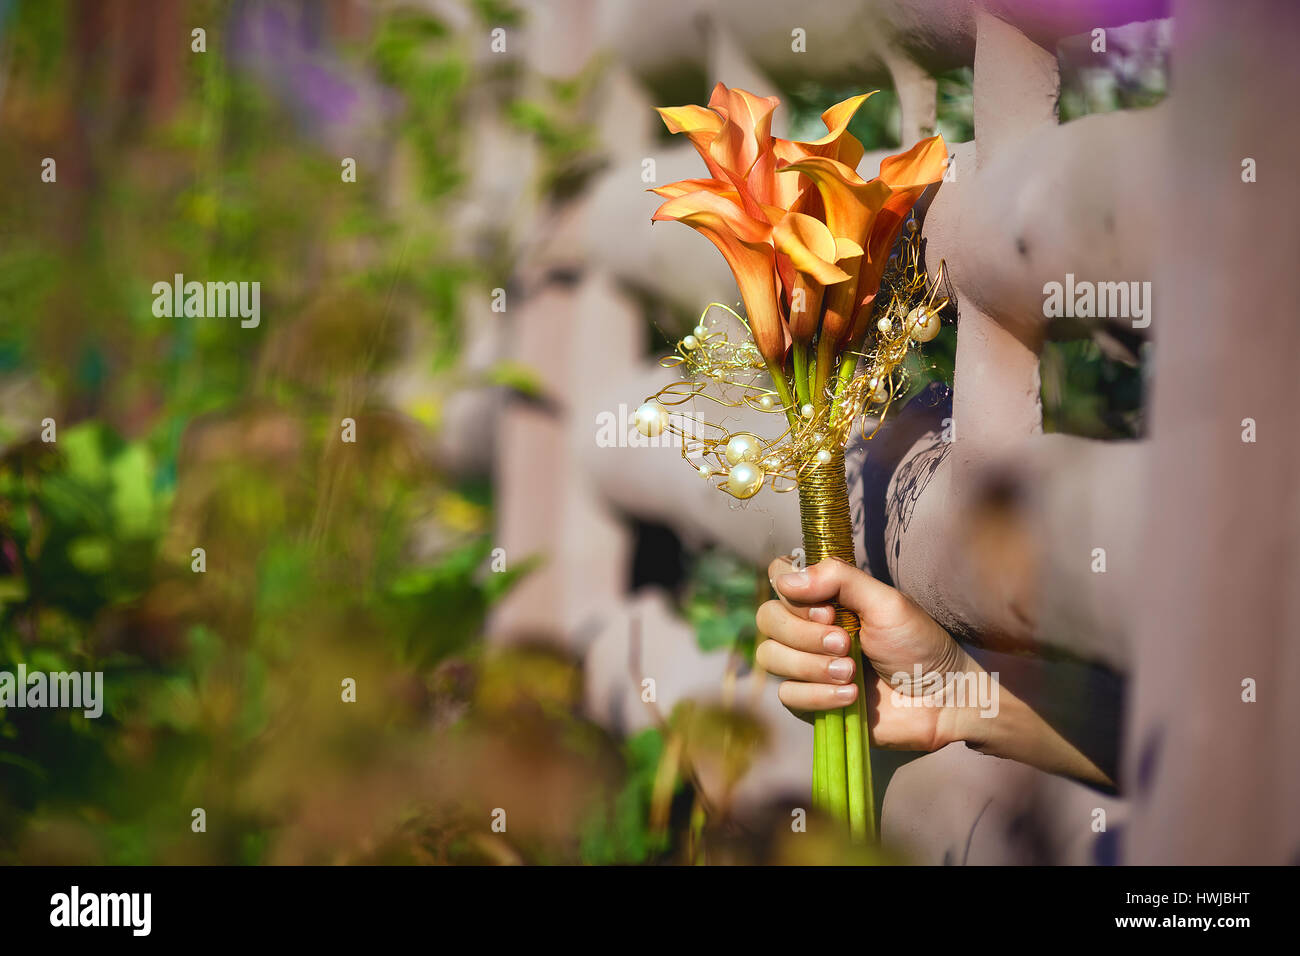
(742, 453)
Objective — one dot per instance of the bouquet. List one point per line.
(828, 266)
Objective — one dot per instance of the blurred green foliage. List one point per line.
(618, 832)
(322, 560)
(559, 120)
(721, 601)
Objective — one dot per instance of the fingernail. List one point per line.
(840, 669)
(821, 615)
(795, 579)
(836, 642)
(846, 693)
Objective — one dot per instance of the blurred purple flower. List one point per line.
(283, 47)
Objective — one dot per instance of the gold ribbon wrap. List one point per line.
(841, 761)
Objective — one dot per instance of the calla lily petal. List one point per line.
(908, 174)
(851, 204)
(746, 129)
(730, 216)
(841, 303)
(745, 244)
(683, 186)
(838, 143)
(921, 165)
(701, 127)
(810, 246)
(846, 249)
(805, 307)
(742, 148)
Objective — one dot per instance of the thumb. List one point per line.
(833, 579)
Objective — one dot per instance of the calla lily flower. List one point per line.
(813, 253)
(806, 237)
(908, 175)
(746, 244)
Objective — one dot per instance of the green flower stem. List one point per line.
(819, 761)
(848, 366)
(782, 388)
(837, 783)
(799, 352)
(862, 810)
(825, 362)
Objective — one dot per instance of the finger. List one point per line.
(778, 622)
(820, 612)
(799, 696)
(833, 580)
(775, 658)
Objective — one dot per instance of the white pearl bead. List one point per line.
(701, 331)
(691, 342)
(806, 411)
(742, 446)
(745, 479)
(824, 456)
(770, 464)
(705, 471)
(651, 419)
(884, 325)
(923, 324)
(766, 401)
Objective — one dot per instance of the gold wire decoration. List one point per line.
(733, 375)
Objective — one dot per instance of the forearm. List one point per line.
(1014, 730)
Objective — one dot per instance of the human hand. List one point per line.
(898, 638)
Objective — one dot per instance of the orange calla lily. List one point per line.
(806, 237)
(850, 205)
(746, 245)
(908, 175)
(813, 252)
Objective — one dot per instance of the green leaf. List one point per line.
(133, 498)
(91, 554)
(82, 447)
(516, 376)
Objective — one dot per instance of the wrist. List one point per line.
(975, 707)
